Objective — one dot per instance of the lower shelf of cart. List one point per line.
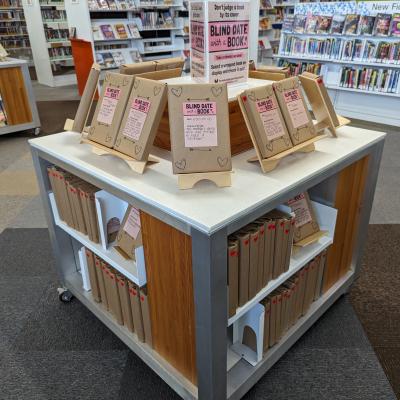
(243, 375)
(169, 374)
(129, 268)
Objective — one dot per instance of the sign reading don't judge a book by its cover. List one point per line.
(219, 41)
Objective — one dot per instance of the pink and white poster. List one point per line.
(221, 46)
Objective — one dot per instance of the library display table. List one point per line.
(185, 246)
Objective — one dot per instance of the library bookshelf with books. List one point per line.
(48, 29)
(125, 32)
(13, 33)
(355, 47)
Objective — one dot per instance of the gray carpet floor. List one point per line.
(50, 350)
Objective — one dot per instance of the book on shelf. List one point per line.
(366, 25)
(120, 29)
(112, 5)
(134, 30)
(299, 23)
(351, 24)
(323, 24)
(288, 23)
(107, 31)
(96, 31)
(311, 24)
(119, 58)
(395, 25)
(337, 24)
(108, 60)
(382, 24)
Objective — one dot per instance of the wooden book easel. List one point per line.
(310, 239)
(97, 148)
(321, 104)
(134, 165)
(268, 164)
(220, 178)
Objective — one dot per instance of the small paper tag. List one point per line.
(299, 206)
(268, 109)
(297, 112)
(132, 224)
(136, 118)
(200, 123)
(108, 106)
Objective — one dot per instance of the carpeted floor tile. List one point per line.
(24, 163)
(18, 183)
(10, 207)
(13, 146)
(55, 326)
(62, 375)
(30, 216)
(331, 374)
(26, 253)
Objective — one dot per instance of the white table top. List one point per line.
(12, 62)
(206, 207)
(233, 89)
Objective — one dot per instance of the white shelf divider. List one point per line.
(136, 272)
(326, 217)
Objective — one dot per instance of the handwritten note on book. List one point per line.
(268, 110)
(294, 103)
(132, 224)
(136, 118)
(299, 206)
(200, 123)
(108, 105)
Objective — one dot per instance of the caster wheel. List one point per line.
(66, 296)
(37, 131)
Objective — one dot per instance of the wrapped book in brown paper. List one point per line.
(199, 128)
(266, 121)
(306, 223)
(130, 235)
(110, 109)
(294, 109)
(141, 118)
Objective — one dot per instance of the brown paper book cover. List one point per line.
(141, 118)
(253, 263)
(100, 280)
(110, 108)
(294, 109)
(267, 322)
(272, 330)
(233, 277)
(137, 68)
(261, 251)
(107, 286)
(169, 63)
(117, 309)
(305, 219)
(94, 284)
(320, 275)
(94, 222)
(199, 128)
(144, 304)
(266, 120)
(123, 293)
(130, 233)
(244, 260)
(269, 250)
(136, 311)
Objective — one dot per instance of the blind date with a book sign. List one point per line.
(228, 41)
(200, 123)
(295, 106)
(108, 106)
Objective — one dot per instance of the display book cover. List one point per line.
(323, 24)
(382, 24)
(141, 118)
(199, 128)
(351, 24)
(266, 120)
(129, 235)
(305, 220)
(294, 109)
(299, 23)
(395, 26)
(366, 25)
(110, 108)
(107, 31)
(337, 24)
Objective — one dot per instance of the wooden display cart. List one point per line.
(185, 248)
(17, 96)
